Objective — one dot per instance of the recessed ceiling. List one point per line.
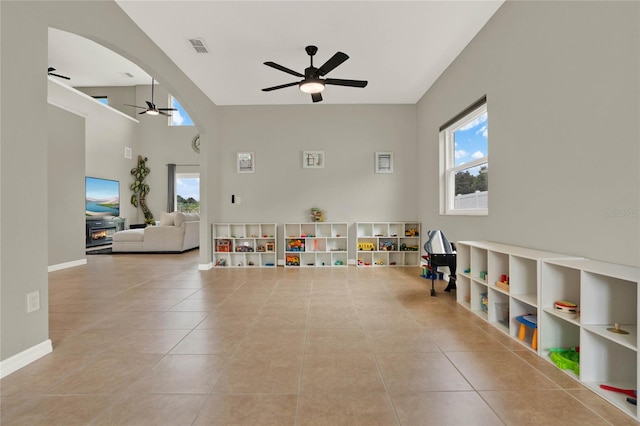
(399, 47)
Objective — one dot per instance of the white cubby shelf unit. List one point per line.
(388, 243)
(481, 265)
(315, 244)
(240, 245)
(606, 294)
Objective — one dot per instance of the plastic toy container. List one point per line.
(502, 313)
(566, 359)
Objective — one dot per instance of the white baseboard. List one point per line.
(205, 266)
(66, 265)
(25, 358)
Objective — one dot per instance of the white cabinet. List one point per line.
(244, 245)
(315, 244)
(606, 294)
(388, 243)
(483, 266)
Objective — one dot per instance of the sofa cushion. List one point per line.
(168, 219)
(185, 217)
(130, 235)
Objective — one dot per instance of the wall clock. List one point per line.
(195, 143)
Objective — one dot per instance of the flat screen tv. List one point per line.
(102, 197)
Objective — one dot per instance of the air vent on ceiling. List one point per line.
(198, 45)
(127, 74)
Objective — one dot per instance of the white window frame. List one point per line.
(448, 169)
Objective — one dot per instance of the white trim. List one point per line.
(25, 358)
(67, 265)
(205, 266)
(84, 95)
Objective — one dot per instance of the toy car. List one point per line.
(293, 260)
(366, 246)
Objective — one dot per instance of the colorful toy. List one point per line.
(631, 392)
(566, 359)
(388, 246)
(295, 245)
(366, 246)
(530, 321)
(379, 262)
(293, 260)
(411, 232)
(317, 215)
(566, 307)
(338, 263)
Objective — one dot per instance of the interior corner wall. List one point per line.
(562, 85)
(66, 147)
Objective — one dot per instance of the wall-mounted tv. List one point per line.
(102, 197)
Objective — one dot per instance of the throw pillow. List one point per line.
(168, 219)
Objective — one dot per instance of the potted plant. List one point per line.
(140, 189)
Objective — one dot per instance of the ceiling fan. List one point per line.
(50, 71)
(312, 82)
(151, 108)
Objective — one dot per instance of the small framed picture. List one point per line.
(384, 162)
(246, 162)
(313, 159)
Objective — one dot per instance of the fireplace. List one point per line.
(100, 231)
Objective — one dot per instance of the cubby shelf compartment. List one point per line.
(482, 264)
(315, 244)
(606, 294)
(239, 245)
(388, 243)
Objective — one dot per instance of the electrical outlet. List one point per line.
(33, 301)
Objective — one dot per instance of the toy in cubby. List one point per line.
(484, 302)
(503, 283)
(295, 245)
(528, 321)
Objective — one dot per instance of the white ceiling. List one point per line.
(400, 47)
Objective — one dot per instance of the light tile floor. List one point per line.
(150, 340)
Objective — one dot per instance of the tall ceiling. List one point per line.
(399, 47)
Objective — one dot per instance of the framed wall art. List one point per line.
(384, 162)
(313, 159)
(246, 162)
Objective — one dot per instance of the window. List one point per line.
(464, 162)
(179, 117)
(188, 192)
(101, 99)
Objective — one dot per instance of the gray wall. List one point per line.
(347, 189)
(66, 132)
(23, 143)
(23, 177)
(562, 84)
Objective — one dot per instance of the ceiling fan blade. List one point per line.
(333, 62)
(282, 86)
(151, 106)
(143, 112)
(166, 109)
(136, 106)
(341, 82)
(285, 69)
(61, 76)
(164, 113)
(316, 97)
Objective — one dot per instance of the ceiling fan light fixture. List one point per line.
(312, 86)
(152, 112)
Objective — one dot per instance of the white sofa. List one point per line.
(178, 232)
